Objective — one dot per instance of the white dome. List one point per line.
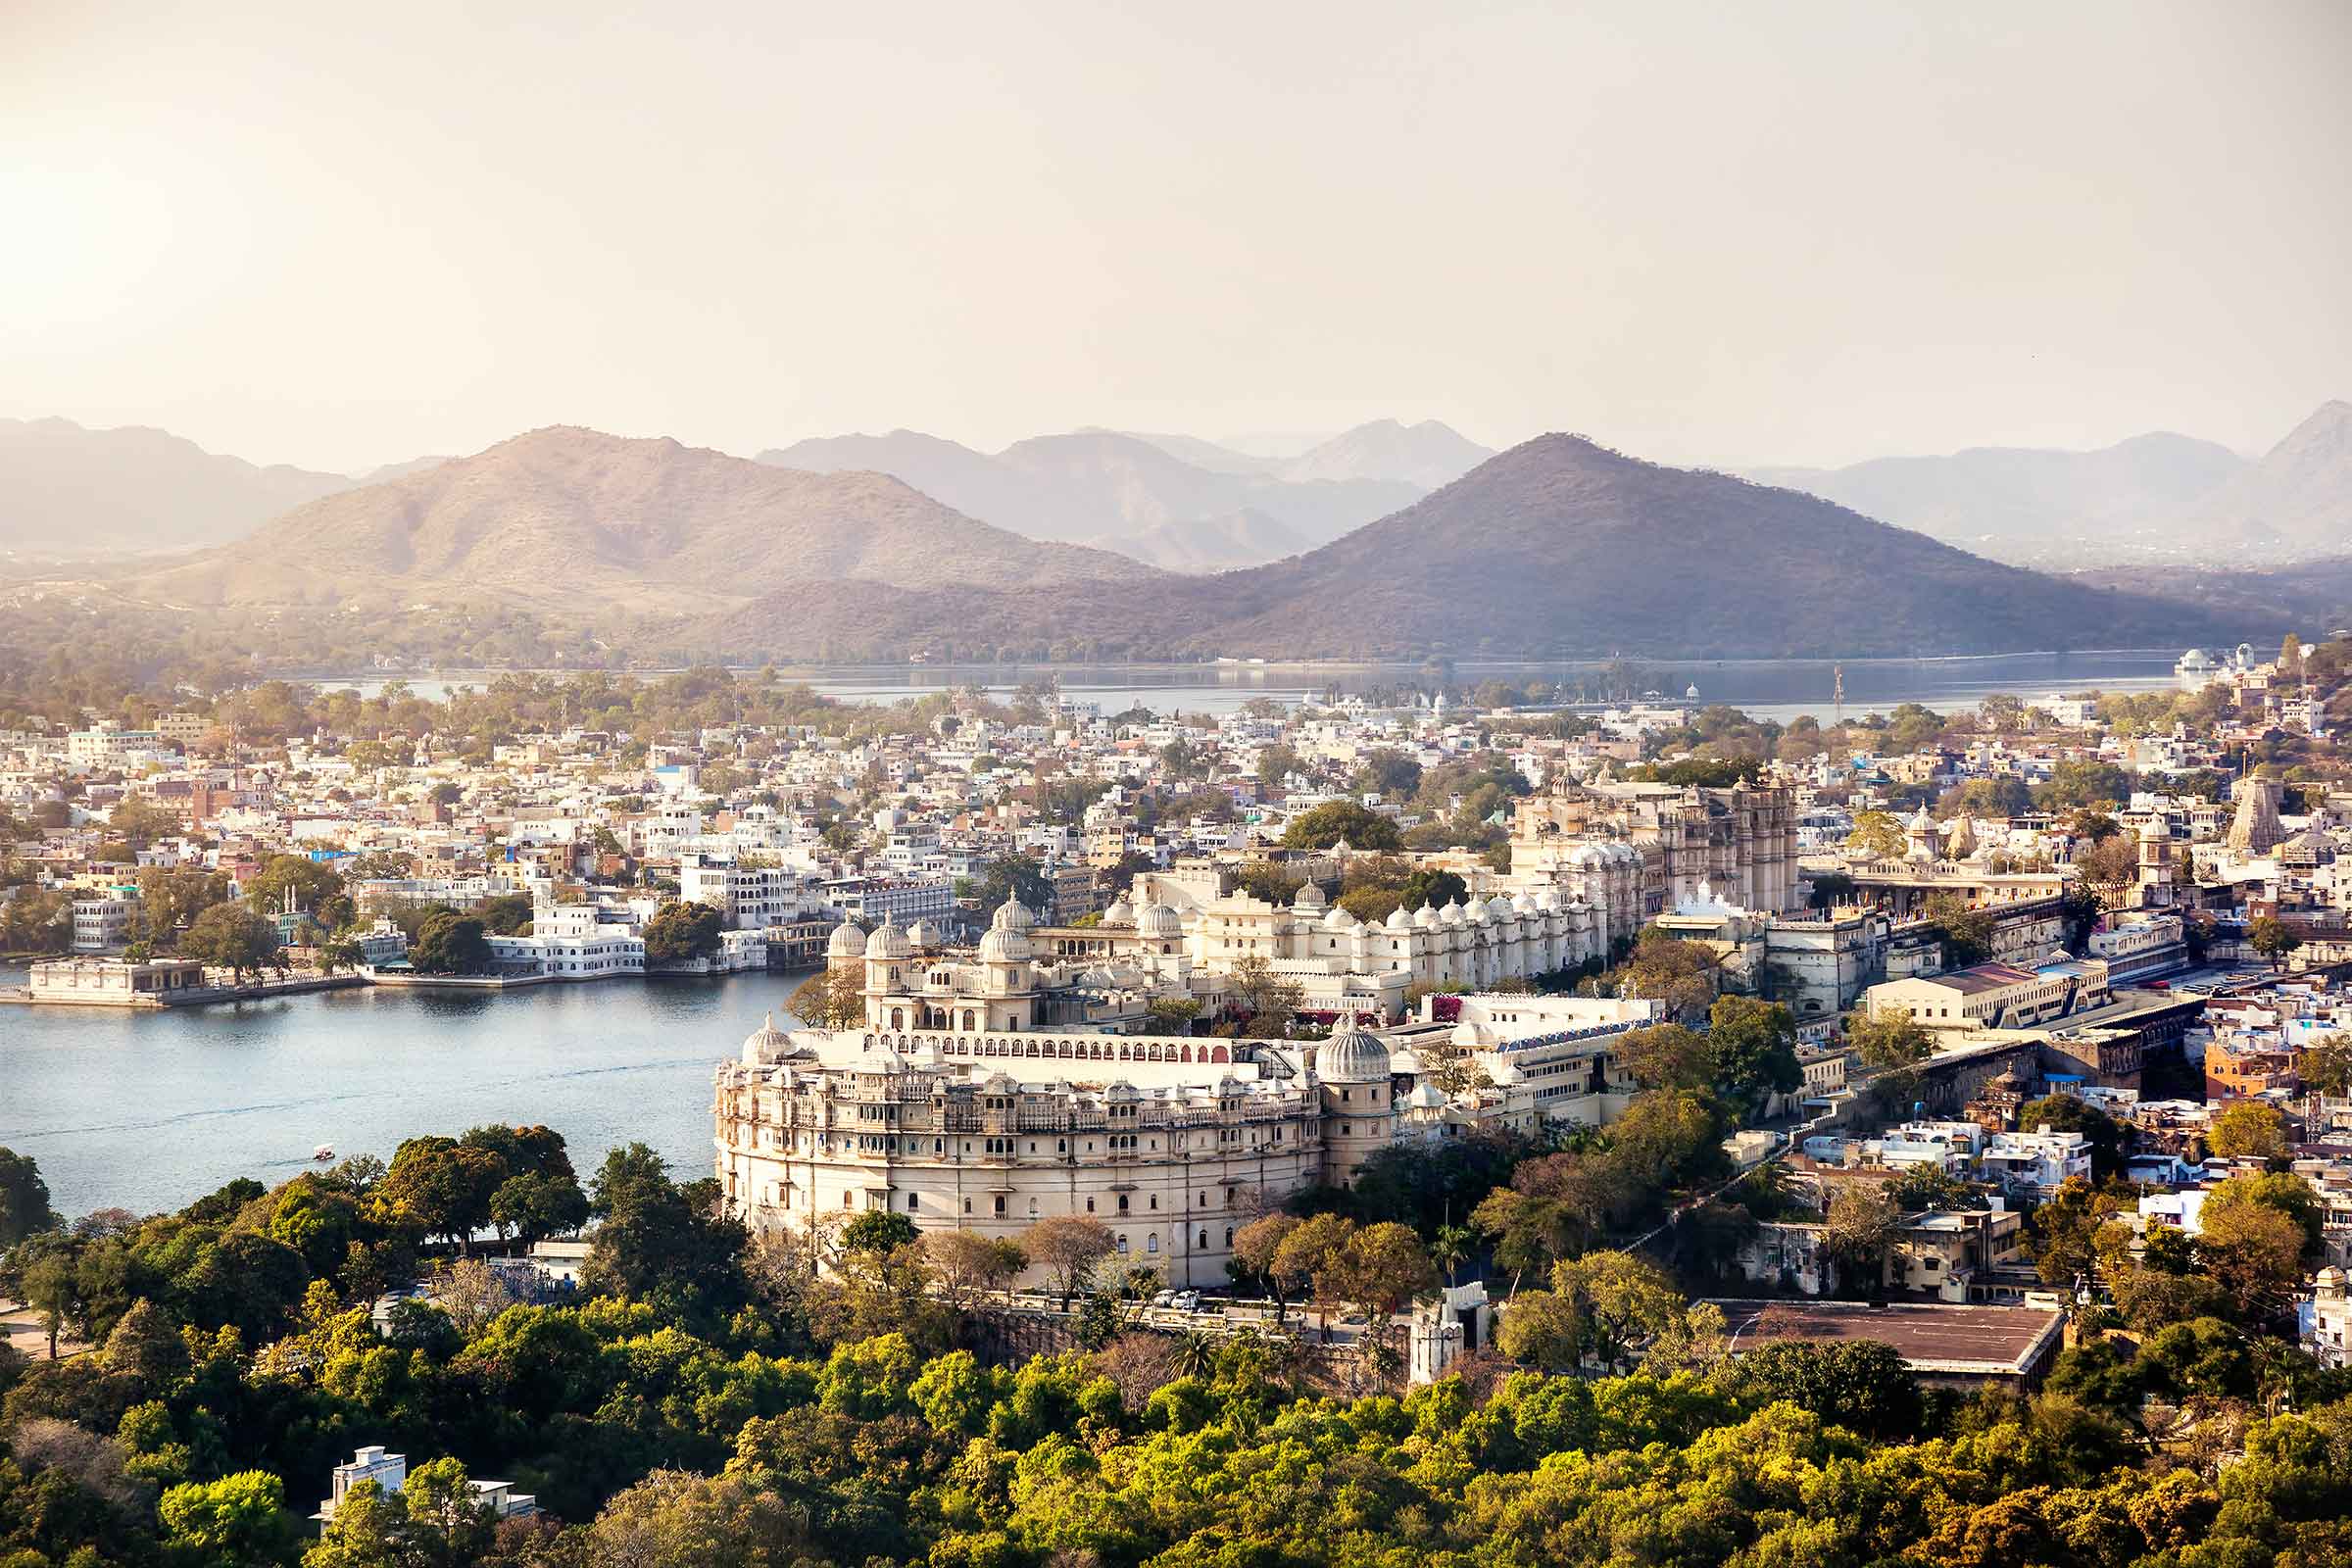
(1351, 1056)
(1500, 908)
(1309, 897)
(1338, 919)
(1397, 921)
(889, 941)
(1158, 920)
(1425, 918)
(1523, 905)
(1453, 913)
(848, 941)
(1477, 912)
(1014, 915)
(1003, 945)
(1120, 912)
(765, 1043)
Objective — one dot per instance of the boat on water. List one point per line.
(323, 1152)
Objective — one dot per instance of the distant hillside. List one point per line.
(2297, 499)
(68, 490)
(2309, 595)
(574, 522)
(1247, 538)
(1427, 455)
(1560, 548)
(1103, 486)
(2032, 505)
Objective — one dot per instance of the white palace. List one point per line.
(994, 1086)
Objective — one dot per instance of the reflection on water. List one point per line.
(148, 1111)
(1767, 688)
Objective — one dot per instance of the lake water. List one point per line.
(149, 1110)
(1775, 688)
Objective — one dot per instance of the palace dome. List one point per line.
(1351, 1056)
(889, 941)
(1159, 920)
(848, 941)
(765, 1043)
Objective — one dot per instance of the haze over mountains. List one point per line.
(2155, 497)
(575, 522)
(68, 490)
(1557, 547)
(1174, 501)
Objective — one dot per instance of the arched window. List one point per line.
(1205, 1241)
(898, 1017)
(1033, 1208)
(1152, 1242)
(968, 1019)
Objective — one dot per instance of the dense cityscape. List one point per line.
(1147, 1073)
(1245, 786)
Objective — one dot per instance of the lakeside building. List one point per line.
(992, 1088)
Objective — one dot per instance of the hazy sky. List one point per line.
(338, 236)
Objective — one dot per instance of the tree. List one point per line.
(23, 1198)
(472, 1295)
(504, 914)
(450, 943)
(2326, 1066)
(2247, 1129)
(1069, 1247)
(682, 932)
(2255, 1254)
(1542, 1330)
(1322, 826)
(1268, 1000)
(1433, 889)
(878, 1230)
(1255, 1247)
(662, 1242)
(968, 1265)
(1313, 1257)
(1859, 1384)
(532, 1206)
(2111, 863)
(48, 1288)
(1751, 1051)
(1666, 1057)
(1862, 1220)
(1620, 1299)
(677, 1519)
(2272, 938)
(1968, 930)
(442, 1187)
(311, 886)
(170, 900)
(36, 920)
(1877, 835)
(143, 822)
(229, 936)
(240, 1521)
(834, 999)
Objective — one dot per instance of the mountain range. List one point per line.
(1557, 547)
(1173, 501)
(2155, 498)
(66, 490)
(571, 521)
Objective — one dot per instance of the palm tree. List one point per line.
(1450, 1248)
(1194, 1354)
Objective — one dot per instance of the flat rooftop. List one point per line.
(1929, 1336)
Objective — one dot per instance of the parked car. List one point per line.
(1187, 1301)
(1163, 1298)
